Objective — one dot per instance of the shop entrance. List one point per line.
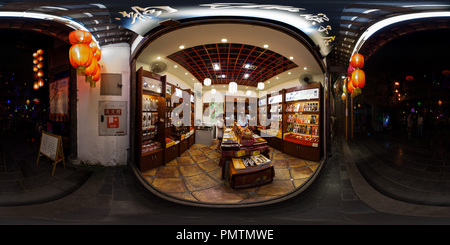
(199, 64)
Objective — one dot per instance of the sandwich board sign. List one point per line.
(51, 147)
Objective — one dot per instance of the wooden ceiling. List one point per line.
(225, 62)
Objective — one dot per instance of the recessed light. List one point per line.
(291, 57)
(224, 40)
(158, 58)
(266, 46)
(175, 66)
(305, 68)
(181, 47)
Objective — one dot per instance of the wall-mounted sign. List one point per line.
(143, 18)
(306, 94)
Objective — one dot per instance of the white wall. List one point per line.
(92, 148)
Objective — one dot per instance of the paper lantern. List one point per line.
(93, 46)
(357, 61)
(91, 70)
(446, 72)
(98, 54)
(350, 87)
(80, 36)
(80, 56)
(260, 85)
(358, 78)
(96, 76)
(409, 78)
(36, 86)
(207, 81)
(232, 87)
(40, 82)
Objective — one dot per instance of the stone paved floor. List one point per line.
(196, 176)
(415, 170)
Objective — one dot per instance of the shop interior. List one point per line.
(223, 74)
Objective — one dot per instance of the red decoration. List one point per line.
(91, 70)
(409, 78)
(358, 78)
(350, 87)
(80, 36)
(446, 72)
(357, 61)
(350, 70)
(98, 54)
(80, 56)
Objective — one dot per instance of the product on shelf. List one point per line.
(252, 161)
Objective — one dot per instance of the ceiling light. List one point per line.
(291, 57)
(266, 46)
(224, 40)
(213, 91)
(207, 81)
(232, 87)
(249, 92)
(305, 68)
(158, 58)
(216, 66)
(181, 47)
(246, 75)
(260, 85)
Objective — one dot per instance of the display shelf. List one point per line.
(150, 107)
(301, 122)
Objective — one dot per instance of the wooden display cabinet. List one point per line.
(301, 122)
(150, 107)
(274, 109)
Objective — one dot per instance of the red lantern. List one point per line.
(91, 70)
(80, 56)
(409, 78)
(80, 36)
(350, 87)
(98, 54)
(358, 78)
(446, 72)
(93, 46)
(357, 61)
(96, 77)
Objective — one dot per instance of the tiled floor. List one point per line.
(196, 176)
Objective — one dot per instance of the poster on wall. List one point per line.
(59, 100)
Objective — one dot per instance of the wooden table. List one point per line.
(251, 176)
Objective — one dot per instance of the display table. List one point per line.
(252, 176)
(246, 176)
